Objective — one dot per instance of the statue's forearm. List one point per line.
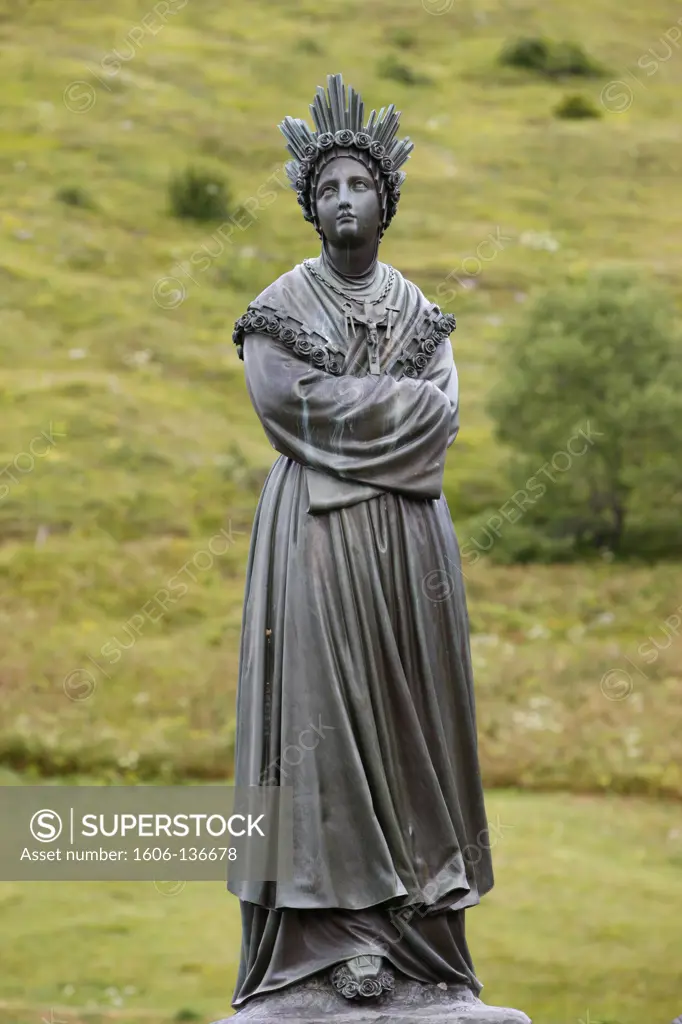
(375, 430)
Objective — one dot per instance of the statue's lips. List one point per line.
(344, 217)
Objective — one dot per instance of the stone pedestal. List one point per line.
(317, 1002)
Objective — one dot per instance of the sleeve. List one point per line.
(387, 433)
(442, 372)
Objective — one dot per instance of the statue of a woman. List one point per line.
(355, 681)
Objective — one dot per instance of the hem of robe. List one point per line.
(283, 948)
(460, 898)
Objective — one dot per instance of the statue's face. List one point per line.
(347, 203)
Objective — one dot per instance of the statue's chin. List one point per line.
(347, 235)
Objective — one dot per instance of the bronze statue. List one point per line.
(355, 680)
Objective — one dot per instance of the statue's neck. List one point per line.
(358, 262)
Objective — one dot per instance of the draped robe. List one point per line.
(355, 636)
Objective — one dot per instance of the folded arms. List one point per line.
(375, 430)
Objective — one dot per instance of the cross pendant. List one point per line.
(372, 340)
(372, 334)
(373, 346)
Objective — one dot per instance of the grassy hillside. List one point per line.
(128, 433)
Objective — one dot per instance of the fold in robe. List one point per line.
(355, 627)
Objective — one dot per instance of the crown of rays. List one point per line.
(340, 129)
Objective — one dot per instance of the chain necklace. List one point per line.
(382, 318)
(308, 264)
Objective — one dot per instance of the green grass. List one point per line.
(584, 920)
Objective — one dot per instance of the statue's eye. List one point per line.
(327, 190)
(361, 186)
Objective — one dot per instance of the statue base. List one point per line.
(316, 1001)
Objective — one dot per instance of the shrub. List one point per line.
(491, 534)
(590, 401)
(74, 195)
(198, 195)
(575, 106)
(309, 46)
(552, 59)
(389, 67)
(531, 54)
(402, 38)
(568, 58)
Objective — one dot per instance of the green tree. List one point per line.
(597, 359)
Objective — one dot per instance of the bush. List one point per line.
(531, 54)
(493, 535)
(576, 106)
(74, 195)
(198, 195)
(403, 38)
(552, 59)
(309, 46)
(590, 400)
(570, 59)
(389, 67)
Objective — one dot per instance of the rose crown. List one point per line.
(340, 131)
